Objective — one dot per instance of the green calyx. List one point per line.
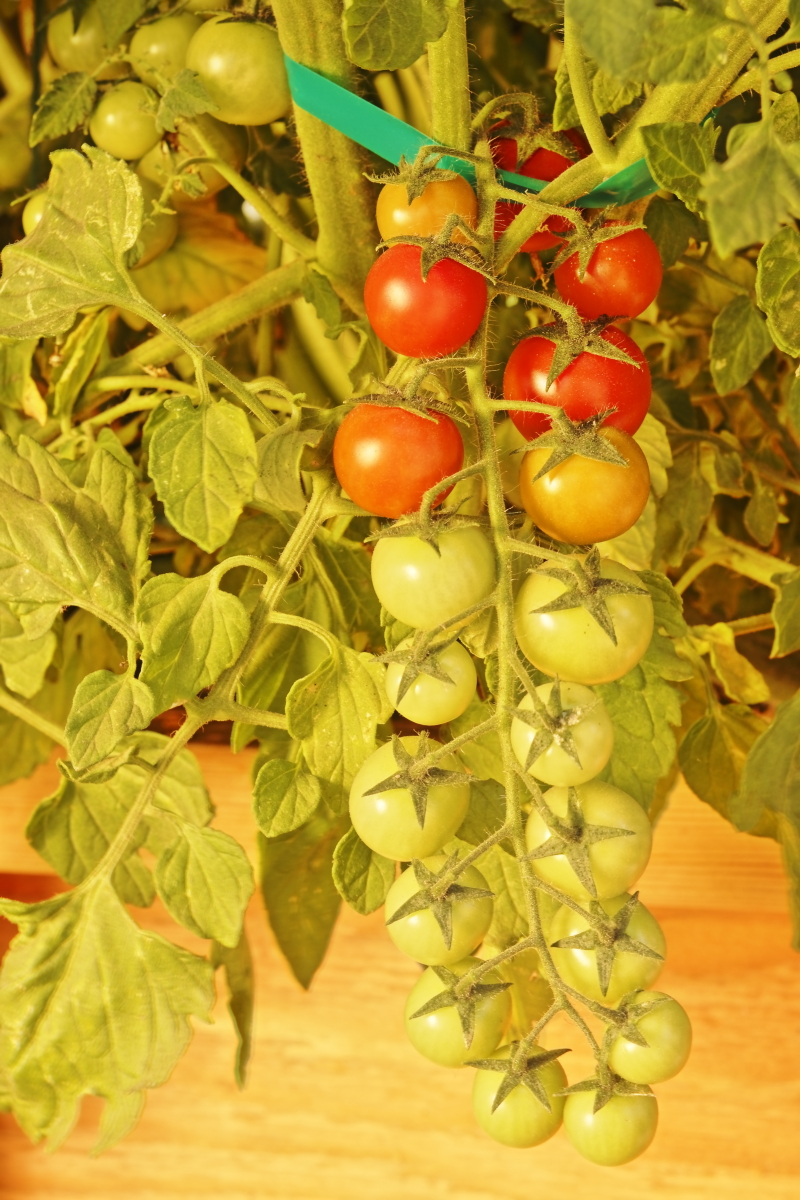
(586, 588)
(608, 937)
(464, 998)
(583, 438)
(410, 774)
(438, 895)
(585, 239)
(570, 341)
(521, 1069)
(553, 724)
(605, 1085)
(420, 659)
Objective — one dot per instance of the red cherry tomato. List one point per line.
(423, 318)
(589, 385)
(622, 279)
(387, 458)
(542, 164)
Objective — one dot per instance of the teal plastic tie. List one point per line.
(392, 139)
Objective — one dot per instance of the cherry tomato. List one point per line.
(387, 821)
(622, 279)
(158, 232)
(592, 738)
(584, 500)
(427, 214)
(618, 1133)
(387, 458)
(431, 701)
(228, 141)
(630, 972)
(521, 1120)
(84, 48)
(162, 45)
(240, 64)
(121, 124)
(509, 439)
(423, 318)
(542, 164)
(439, 1035)
(571, 643)
(617, 862)
(668, 1032)
(423, 586)
(33, 211)
(419, 935)
(589, 385)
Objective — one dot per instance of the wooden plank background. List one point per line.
(339, 1107)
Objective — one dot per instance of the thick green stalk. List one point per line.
(449, 74)
(311, 33)
(17, 709)
(582, 93)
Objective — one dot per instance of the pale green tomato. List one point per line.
(33, 211)
(202, 6)
(387, 821)
(571, 643)
(121, 124)
(439, 1036)
(521, 1120)
(616, 863)
(229, 142)
(509, 439)
(631, 972)
(618, 1133)
(430, 701)
(241, 66)
(419, 936)
(15, 160)
(84, 48)
(593, 738)
(424, 587)
(161, 46)
(158, 232)
(668, 1032)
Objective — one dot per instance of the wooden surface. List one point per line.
(339, 1106)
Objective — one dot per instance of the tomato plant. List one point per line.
(427, 213)
(636, 964)
(582, 736)
(162, 46)
(619, 1132)
(520, 1120)
(439, 1035)
(122, 123)
(622, 279)
(420, 934)
(425, 585)
(240, 65)
(431, 699)
(666, 1028)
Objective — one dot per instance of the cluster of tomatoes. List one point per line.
(586, 838)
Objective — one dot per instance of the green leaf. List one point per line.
(285, 796)
(361, 876)
(778, 288)
(486, 813)
(678, 155)
(92, 1004)
(684, 509)
(347, 567)
(24, 659)
(15, 370)
(786, 614)
(191, 631)
(278, 480)
(713, 753)
(106, 708)
(382, 35)
(740, 679)
(541, 13)
(740, 342)
(335, 712)
(482, 756)
(671, 225)
(609, 94)
(65, 105)
(510, 914)
(203, 464)
(118, 16)
(76, 255)
(111, 481)
(240, 979)
(754, 192)
(205, 881)
(78, 357)
(297, 885)
(667, 604)
(762, 512)
(186, 96)
(318, 290)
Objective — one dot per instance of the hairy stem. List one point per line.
(449, 74)
(582, 93)
(17, 709)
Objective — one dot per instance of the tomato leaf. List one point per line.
(483, 755)
(285, 796)
(318, 290)
(541, 13)
(106, 708)
(185, 97)
(78, 357)
(609, 94)
(671, 225)
(486, 812)
(382, 35)
(678, 155)
(778, 288)
(15, 370)
(740, 342)
(24, 659)
(111, 482)
(361, 876)
(510, 916)
(237, 963)
(205, 882)
(762, 512)
(347, 567)
(684, 509)
(203, 464)
(714, 750)
(740, 679)
(95, 970)
(65, 105)
(278, 482)
(786, 614)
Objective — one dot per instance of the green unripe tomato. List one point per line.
(593, 738)
(521, 1120)
(84, 48)
(423, 587)
(570, 643)
(668, 1032)
(33, 211)
(387, 821)
(439, 1036)
(158, 232)
(618, 1133)
(509, 439)
(202, 6)
(631, 972)
(15, 160)
(616, 863)
(162, 45)
(430, 701)
(419, 936)
(229, 142)
(121, 124)
(241, 66)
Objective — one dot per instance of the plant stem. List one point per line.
(582, 93)
(17, 709)
(448, 66)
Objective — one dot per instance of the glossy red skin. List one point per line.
(589, 385)
(622, 279)
(423, 318)
(542, 164)
(387, 458)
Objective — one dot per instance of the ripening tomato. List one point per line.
(419, 936)
(542, 164)
(423, 318)
(592, 739)
(241, 66)
(615, 862)
(585, 500)
(521, 1120)
(431, 701)
(439, 1035)
(160, 47)
(424, 586)
(589, 385)
(570, 642)
(619, 1132)
(668, 1033)
(122, 124)
(426, 215)
(630, 972)
(387, 458)
(622, 279)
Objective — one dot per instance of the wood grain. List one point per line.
(339, 1107)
